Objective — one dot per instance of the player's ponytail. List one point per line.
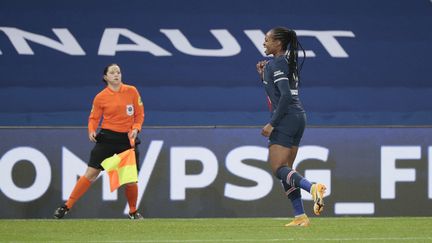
(293, 51)
(290, 43)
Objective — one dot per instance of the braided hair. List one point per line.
(290, 43)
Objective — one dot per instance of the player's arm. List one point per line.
(282, 82)
(139, 111)
(94, 119)
(284, 102)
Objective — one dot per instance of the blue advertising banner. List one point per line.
(221, 172)
(194, 61)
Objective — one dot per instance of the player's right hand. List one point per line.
(260, 67)
(267, 130)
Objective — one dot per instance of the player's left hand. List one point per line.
(267, 130)
(133, 134)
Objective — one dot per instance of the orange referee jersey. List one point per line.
(122, 111)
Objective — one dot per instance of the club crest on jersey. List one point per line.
(129, 110)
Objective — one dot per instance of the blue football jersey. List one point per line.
(281, 85)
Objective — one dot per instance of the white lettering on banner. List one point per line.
(180, 181)
(390, 174)
(354, 208)
(109, 45)
(262, 178)
(42, 176)
(323, 176)
(73, 167)
(328, 40)
(68, 44)
(230, 46)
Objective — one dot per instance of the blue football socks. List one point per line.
(297, 202)
(293, 178)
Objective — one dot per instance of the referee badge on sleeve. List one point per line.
(129, 110)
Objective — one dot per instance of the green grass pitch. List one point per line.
(358, 229)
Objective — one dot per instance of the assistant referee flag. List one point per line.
(121, 168)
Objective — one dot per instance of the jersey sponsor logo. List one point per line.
(129, 110)
(294, 91)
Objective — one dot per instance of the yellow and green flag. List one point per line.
(121, 168)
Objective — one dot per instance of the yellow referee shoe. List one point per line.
(299, 221)
(317, 192)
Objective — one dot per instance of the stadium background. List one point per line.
(366, 86)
